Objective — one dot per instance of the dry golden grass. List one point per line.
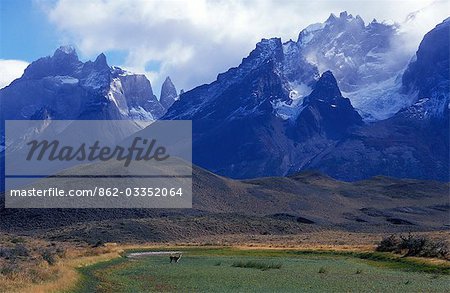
(324, 239)
(37, 276)
(69, 274)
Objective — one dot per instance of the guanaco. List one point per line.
(175, 258)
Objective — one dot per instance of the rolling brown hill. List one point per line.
(273, 205)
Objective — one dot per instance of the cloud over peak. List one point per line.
(192, 41)
(10, 70)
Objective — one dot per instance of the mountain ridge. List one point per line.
(67, 86)
(272, 115)
(250, 139)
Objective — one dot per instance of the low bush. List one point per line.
(389, 244)
(5, 252)
(20, 250)
(60, 252)
(10, 268)
(17, 240)
(413, 245)
(99, 243)
(49, 256)
(12, 253)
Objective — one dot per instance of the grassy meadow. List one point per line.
(255, 270)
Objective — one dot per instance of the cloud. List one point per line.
(192, 41)
(11, 69)
(419, 22)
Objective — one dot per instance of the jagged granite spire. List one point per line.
(100, 61)
(65, 50)
(325, 89)
(326, 112)
(63, 87)
(63, 62)
(168, 93)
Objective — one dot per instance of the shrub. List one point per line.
(413, 245)
(60, 252)
(322, 270)
(9, 269)
(49, 256)
(5, 252)
(388, 244)
(17, 240)
(99, 243)
(438, 249)
(20, 250)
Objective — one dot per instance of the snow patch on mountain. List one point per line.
(364, 59)
(65, 79)
(67, 49)
(95, 81)
(290, 109)
(307, 34)
(379, 101)
(299, 90)
(116, 95)
(140, 113)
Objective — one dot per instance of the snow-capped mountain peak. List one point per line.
(66, 49)
(361, 58)
(68, 88)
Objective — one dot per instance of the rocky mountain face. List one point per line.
(414, 143)
(349, 48)
(427, 76)
(168, 94)
(326, 111)
(272, 115)
(275, 114)
(258, 119)
(63, 87)
(365, 60)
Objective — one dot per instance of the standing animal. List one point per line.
(175, 258)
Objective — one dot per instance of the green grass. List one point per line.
(264, 266)
(231, 270)
(386, 260)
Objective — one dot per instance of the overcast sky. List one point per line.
(192, 41)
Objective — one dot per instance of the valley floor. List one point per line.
(257, 270)
(312, 262)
